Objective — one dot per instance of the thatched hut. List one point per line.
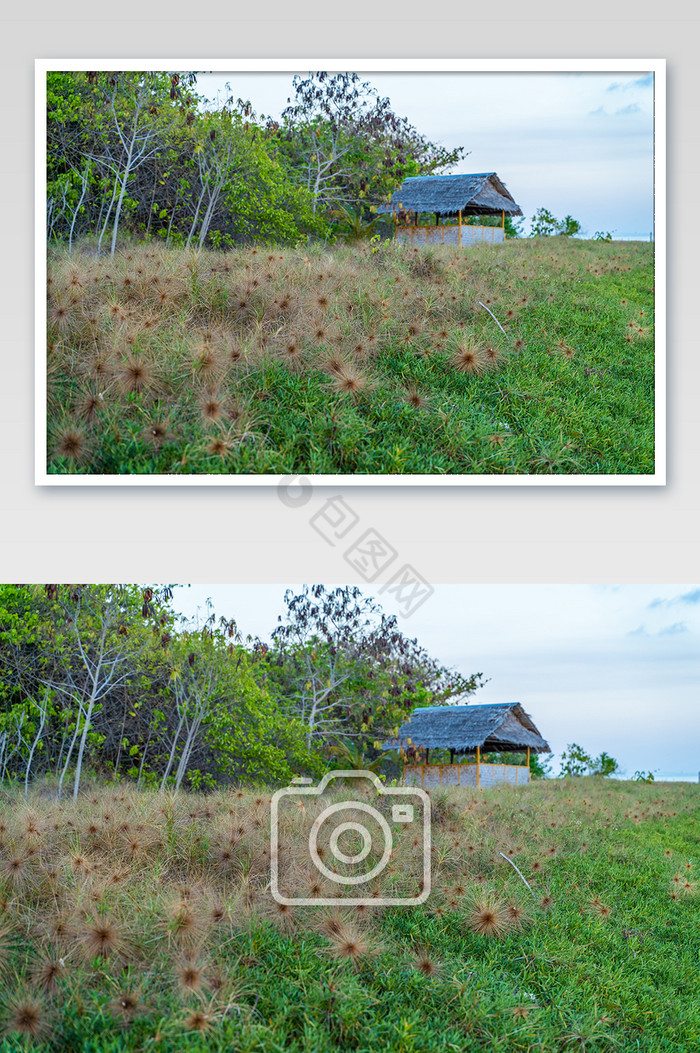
(467, 731)
(449, 196)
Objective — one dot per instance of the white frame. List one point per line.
(360, 65)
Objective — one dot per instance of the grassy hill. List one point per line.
(375, 360)
(135, 921)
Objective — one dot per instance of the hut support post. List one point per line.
(478, 766)
(503, 219)
(528, 764)
(459, 236)
(427, 756)
(452, 756)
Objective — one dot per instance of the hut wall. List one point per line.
(446, 235)
(465, 775)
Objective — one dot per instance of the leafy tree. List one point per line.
(227, 724)
(604, 765)
(575, 761)
(133, 151)
(79, 647)
(347, 145)
(544, 224)
(345, 668)
(569, 226)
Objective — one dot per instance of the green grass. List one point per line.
(606, 958)
(175, 363)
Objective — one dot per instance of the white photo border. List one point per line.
(656, 66)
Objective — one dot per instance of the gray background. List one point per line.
(246, 534)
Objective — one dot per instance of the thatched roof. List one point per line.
(480, 194)
(501, 728)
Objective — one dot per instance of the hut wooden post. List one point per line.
(452, 756)
(503, 219)
(459, 236)
(478, 766)
(528, 764)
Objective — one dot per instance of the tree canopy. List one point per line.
(109, 680)
(140, 152)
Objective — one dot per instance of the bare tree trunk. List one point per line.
(85, 177)
(70, 749)
(196, 217)
(171, 758)
(83, 737)
(37, 737)
(109, 213)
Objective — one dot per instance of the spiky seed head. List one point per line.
(25, 1015)
(219, 447)
(517, 915)
(212, 405)
(488, 918)
(350, 381)
(127, 1005)
(198, 1020)
(415, 399)
(71, 444)
(190, 974)
(425, 963)
(349, 945)
(48, 973)
(135, 374)
(101, 937)
(469, 358)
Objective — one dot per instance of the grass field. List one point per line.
(377, 360)
(133, 921)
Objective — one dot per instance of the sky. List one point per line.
(578, 144)
(610, 667)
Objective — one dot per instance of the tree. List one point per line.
(135, 151)
(575, 761)
(568, 226)
(102, 678)
(104, 130)
(66, 653)
(347, 145)
(544, 224)
(140, 120)
(346, 670)
(604, 765)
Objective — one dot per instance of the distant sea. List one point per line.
(665, 776)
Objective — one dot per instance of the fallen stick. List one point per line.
(511, 861)
(497, 323)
